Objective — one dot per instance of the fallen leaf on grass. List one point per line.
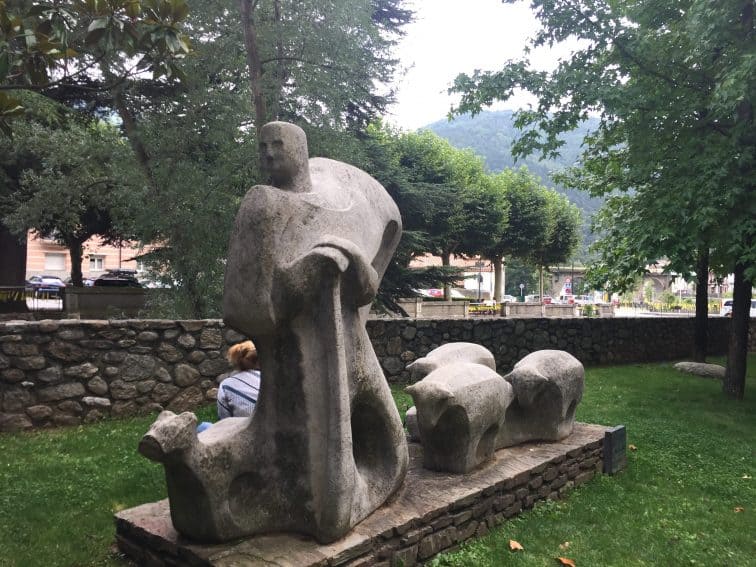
(564, 546)
(632, 447)
(515, 545)
(739, 509)
(565, 561)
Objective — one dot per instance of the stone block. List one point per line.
(433, 543)
(138, 367)
(210, 339)
(12, 375)
(187, 400)
(186, 375)
(10, 422)
(67, 352)
(70, 407)
(405, 557)
(95, 402)
(61, 392)
(20, 349)
(147, 337)
(120, 390)
(162, 393)
(30, 362)
(39, 412)
(97, 386)
(81, 371)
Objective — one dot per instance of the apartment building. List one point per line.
(45, 256)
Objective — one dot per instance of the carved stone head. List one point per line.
(284, 156)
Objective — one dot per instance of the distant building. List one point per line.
(45, 256)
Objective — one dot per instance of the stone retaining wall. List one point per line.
(70, 372)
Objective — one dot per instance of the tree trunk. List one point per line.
(701, 322)
(75, 250)
(253, 63)
(12, 269)
(498, 285)
(737, 351)
(446, 262)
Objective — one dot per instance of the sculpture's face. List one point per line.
(282, 151)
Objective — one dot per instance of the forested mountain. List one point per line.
(490, 135)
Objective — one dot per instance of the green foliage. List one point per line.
(674, 89)
(45, 44)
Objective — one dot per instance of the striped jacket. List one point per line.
(237, 394)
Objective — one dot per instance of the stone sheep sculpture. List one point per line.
(460, 413)
(548, 386)
(464, 410)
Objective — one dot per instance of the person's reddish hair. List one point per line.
(243, 356)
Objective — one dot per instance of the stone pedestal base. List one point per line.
(432, 512)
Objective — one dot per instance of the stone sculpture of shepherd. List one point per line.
(325, 446)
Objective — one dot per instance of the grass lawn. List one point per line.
(677, 503)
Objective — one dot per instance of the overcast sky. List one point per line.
(450, 37)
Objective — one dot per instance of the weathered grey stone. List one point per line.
(213, 367)
(61, 392)
(186, 375)
(187, 400)
(393, 365)
(12, 375)
(147, 337)
(138, 367)
(70, 334)
(4, 361)
(187, 341)
(16, 398)
(548, 385)
(14, 422)
(70, 406)
(232, 337)
(145, 386)
(305, 260)
(95, 402)
(124, 408)
(97, 344)
(141, 350)
(111, 371)
(190, 326)
(162, 375)
(67, 352)
(196, 356)
(20, 349)
(210, 339)
(410, 422)
(30, 362)
(120, 390)
(702, 369)
(126, 343)
(81, 371)
(212, 394)
(451, 353)
(162, 393)
(48, 326)
(170, 334)
(39, 413)
(50, 375)
(114, 357)
(460, 412)
(170, 353)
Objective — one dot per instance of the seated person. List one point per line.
(237, 394)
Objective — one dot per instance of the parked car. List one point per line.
(118, 278)
(508, 299)
(726, 310)
(584, 300)
(567, 299)
(44, 284)
(537, 299)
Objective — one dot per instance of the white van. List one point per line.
(726, 310)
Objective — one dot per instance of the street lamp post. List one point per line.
(522, 287)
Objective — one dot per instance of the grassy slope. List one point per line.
(674, 505)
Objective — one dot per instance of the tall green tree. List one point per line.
(77, 46)
(74, 179)
(673, 84)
